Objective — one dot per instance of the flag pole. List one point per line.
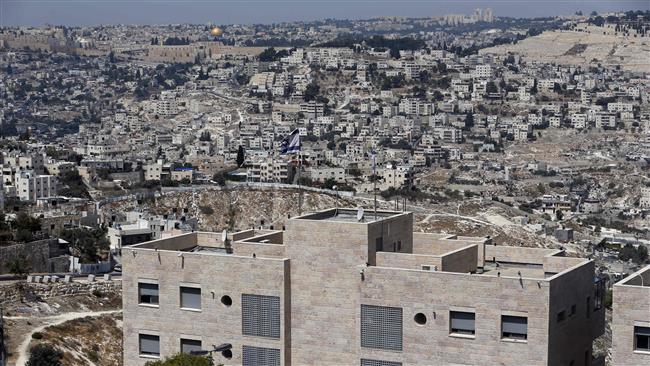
(374, 181)
(299, 185)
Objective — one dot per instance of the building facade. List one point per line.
(631, 320)
(330, 289)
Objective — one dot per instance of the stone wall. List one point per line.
(15, 291)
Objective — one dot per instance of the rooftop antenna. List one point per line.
(360, 214)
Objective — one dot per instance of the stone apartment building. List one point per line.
(631, 320)
(330, 289)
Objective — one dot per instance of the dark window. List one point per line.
(462, 322)
(573, 310)
(381, 327)
(189, 345)
(514, 327)
(258, 356)
(261, 315)
(190, 297)
(148, 293)
(642, 339)
(561, 316)
(367, 362)
(149, 345)
(379, 244)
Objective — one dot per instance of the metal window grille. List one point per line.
(261, 315)
(381, 327)
(258, 356)
(367, 362)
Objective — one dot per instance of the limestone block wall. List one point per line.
(217, 275)
(631, 306)
(435, 294)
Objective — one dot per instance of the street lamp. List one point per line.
(223, 348)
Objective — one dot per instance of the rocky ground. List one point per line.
(73, 321)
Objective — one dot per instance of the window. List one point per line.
(367, 362)
(258, 356)
(561, 316)
(461, 322)
(149, 345)
(514, 327)
(642, 339)
(261, 315)
(573, 310)
(148, 293)
(381, 327)
(190, 298)
(189, 345)
(379, 244)
(599, 293)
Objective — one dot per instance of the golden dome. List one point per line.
(216, 31)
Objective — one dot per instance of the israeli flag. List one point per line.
(291, 143)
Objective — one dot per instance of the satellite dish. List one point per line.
(360, 214)
(224, 235)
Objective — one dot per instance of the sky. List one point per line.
(94, 12)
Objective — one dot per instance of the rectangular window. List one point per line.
(642, 339)
(599, 293)
(190, 298)
(261, 315)
(148, 293)
(189, 345)
(573, 310)
(514, 327)
(561, 316)
(368, 362)
(379, 244)
(258, 356)
(149, 345)
(462, 322)
(381, 327)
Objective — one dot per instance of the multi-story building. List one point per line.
(631, 320)
(31, 187)
(340, 287)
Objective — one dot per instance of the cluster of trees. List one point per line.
(270, 55)
(182, 359)
(175, 41)
(24, 228)
(639, 254)
(73, 185)
(87, 243)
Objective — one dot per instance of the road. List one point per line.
(23, 349)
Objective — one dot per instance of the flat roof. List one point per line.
(349, 215)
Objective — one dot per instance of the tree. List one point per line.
(311, 92)
(19, 266)
(86, 243)
(182, 359)
(44, 355)
(240, 156)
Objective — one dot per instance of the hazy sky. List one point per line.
(89, 12)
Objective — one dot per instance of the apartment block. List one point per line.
(342, 287)
(631, 320)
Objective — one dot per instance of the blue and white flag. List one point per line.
(291, 143)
